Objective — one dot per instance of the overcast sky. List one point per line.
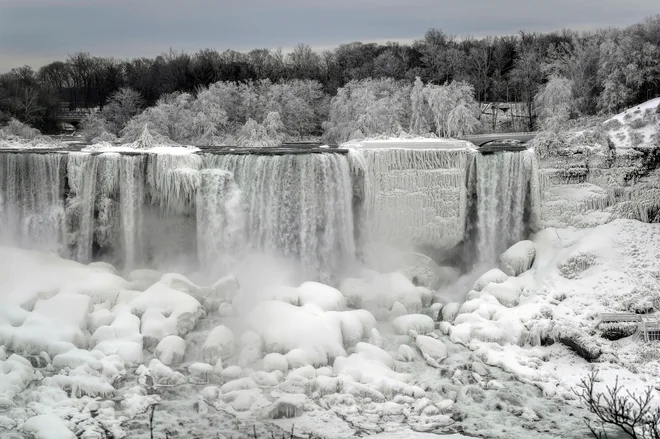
(36, 32)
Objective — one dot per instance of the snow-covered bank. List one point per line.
(306, 355)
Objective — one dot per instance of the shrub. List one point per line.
(638, 123)
(612, 124)
(636, 138)
(19, 129)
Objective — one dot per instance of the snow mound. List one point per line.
(166, 311)
(48, 427)
(323, 296)
(322, 336)
(420, 323)
(518, 258)
(495, 275)
(220, 344)
(171, 350)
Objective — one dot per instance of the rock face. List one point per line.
(590, 184)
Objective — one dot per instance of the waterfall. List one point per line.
(131, 203)
(220, 222)
(31, 201)
(87, 202)
(507, 201)
(297, 206)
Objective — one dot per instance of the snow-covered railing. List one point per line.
(619, 317)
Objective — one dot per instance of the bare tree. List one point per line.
(634, 415)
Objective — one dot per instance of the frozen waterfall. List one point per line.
(412, 197)
(205, 212)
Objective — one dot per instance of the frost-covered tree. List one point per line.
(269, 133)
(554, 103)
(458, 98)
(462, 121)
(419, 113)
(94, 125)
(366, 108)
(122, 106)
(274, 127)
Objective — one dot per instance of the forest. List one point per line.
(439, 85)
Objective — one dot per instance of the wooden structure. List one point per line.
(648, 325)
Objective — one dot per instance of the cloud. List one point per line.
(32, 31)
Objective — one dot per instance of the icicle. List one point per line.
(108, 175)
(413, 196)
(31, 205)
(173, 181)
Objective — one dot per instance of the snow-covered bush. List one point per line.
(16, 128)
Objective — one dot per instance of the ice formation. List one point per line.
(412, 196)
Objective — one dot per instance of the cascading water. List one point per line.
(220, 222)
(31, 201)
(131, 204)
(296, 206)
(84, 203)
(506, 185)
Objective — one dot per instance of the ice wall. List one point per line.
(31, 200)
(412, 196)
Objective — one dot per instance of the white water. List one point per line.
(31, 204)
(220, 222)
(506, 184)
(131, 207)
(148, 210)
(297, 206)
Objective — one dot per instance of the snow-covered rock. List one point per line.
(420, 323)
(171, 350)
(492, 276)
(275, 361)
(220, 343)
(518, 258)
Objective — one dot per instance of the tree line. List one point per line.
(606, 70)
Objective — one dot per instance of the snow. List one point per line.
(170, 350)
(420, 323)
(518, 258)
(622, 135)
(48, 427)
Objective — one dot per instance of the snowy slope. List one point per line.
(635, 126)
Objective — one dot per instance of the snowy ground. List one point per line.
(85, 351)
(635, 126)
